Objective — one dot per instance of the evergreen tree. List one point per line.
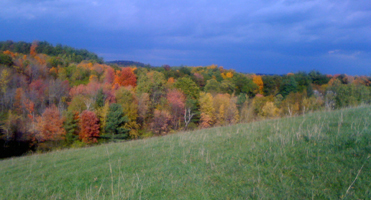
(116, 121)
(288, 85)
(100, 98)
(71, 126)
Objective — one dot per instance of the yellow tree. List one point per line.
(259, 82)
(4, 79)
(207, 109)
(221, 103)
(269, 110)
(232, 115)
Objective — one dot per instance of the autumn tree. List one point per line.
(220, 104)
(102, 113)
(161, 122)
(207, 109)
(33, 48)
(9, 126)
(89, 127)
(18, 98)
(50, 126)
(244, 85)
(212, 86)
(129, 103)
(126, 77)
(188, 87)
(153, 84)
(232, 114)
(259, 82)
(176, 101)
(269, 110)
(143, 107)
(190, 111)
(4, 80)
(109, 75)
(227, 86)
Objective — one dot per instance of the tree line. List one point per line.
(51, 101)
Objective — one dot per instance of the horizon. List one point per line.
(251, 37)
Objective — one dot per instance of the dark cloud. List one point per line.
(259, 36)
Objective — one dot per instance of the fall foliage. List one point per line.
(89, 127)
(69, 96)
(50, 125)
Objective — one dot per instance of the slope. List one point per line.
(322, 155)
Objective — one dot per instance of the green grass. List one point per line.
(315, 156)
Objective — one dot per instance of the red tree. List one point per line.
(126, 77)
(50, 125)
(89, 127)
(33, 48)
(176, 100)
(160, 123)
(109, 75)
(18, 99)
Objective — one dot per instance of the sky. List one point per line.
(254, 36)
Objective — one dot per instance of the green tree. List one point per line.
(115, 122)
(271, 84)
(288, 85)
(100, 98)
(227, 86)
(5, 60)
(188, 87)
(212, 86)
(71, 126)
(244, 85)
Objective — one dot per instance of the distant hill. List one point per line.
(126, 63)
(70, 53)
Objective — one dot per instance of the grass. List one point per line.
(322, 155)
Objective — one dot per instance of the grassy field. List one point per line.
(322, 155)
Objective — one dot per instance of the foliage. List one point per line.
(72, 54)
(71, 125)
(50, 126)
(259, 82)
(188, 87)
(288, 85)
(161, 122)
(115, 122)
(89, 127)
(5, 59)
(176, 101)
(34, 77)
(244, 85)
(126, 77)
(212, 86)
(207, 109)
(294, 148)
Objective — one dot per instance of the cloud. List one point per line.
(291, 28)
(345, 54)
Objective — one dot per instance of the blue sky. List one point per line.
(259, 36)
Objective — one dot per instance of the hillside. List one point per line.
(324, 155)
(126, 63)
(54, 97)
(43, 47)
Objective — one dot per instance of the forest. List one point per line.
(54, 97)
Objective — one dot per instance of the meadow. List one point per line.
(321, 155)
